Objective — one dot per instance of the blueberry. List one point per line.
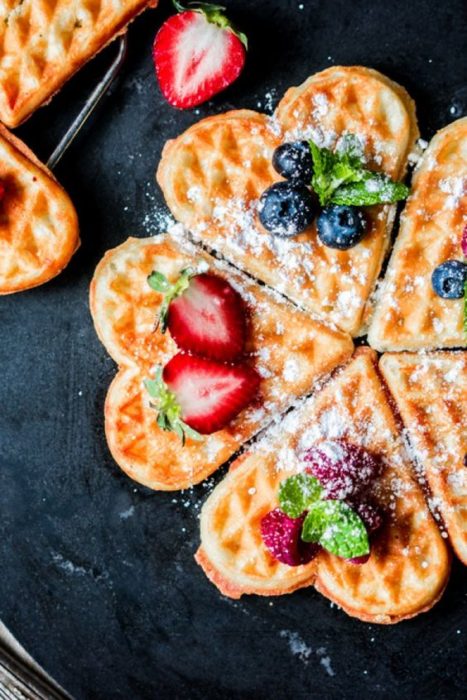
(341, 226)
(294, 161)
(449, 278)
(286, 209)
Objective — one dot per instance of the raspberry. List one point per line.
(343, 469)
(359, 560)
(281, 535)
(370, 515)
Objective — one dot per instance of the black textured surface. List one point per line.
(97, 577)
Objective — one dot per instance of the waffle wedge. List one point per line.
(409, 314)
(38, 223)
(44, 42)
(409, 563)
(213, 175)
(431, 394)
(290, 349)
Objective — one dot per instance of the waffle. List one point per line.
(213, 175)
(44, 42)
(431, 393)
(410, 315)
(409, 563)
(38, 223)
(290, 349)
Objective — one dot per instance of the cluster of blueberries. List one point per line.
(289, 207)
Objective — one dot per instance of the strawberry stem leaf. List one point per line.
(161, 284)
(214, 14)
(168, 409)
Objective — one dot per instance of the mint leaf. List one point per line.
(297, 493)
(315, 522)
(337, 528)
(374, 188)
(341, 178)
(331, 170)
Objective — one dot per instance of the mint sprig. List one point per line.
(331, 523)
(340, 177)
(297, 493)
(337, 528)
(372, 189)
(168, 409)
(171, 291)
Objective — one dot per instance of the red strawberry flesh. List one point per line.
(195, 59)
(281, 535)
(209, 393)
(208, 319)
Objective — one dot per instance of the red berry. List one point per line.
(370, 515)
(196, 55)
(208, 319)
(281, 535)
(210, 394)
(343, 468)
(359, 560)
(464, 242)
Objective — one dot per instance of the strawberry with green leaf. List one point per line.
(204, 314)
(197, 53)
(196, 396)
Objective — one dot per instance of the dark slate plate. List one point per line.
(97, 574)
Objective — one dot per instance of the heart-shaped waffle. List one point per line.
(44, 42)
(38, 223)
(431, 394)
(409, 314)
(213, 175)
(409, 564)
(290, 349)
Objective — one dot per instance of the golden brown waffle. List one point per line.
(290, 349)
(431, 394)
(38, 223)
(213, 175)
(409, 564)
(409, 314)
(44, 42)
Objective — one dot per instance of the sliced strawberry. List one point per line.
(197, 53)
(198, 396)
(204, 314)
(208, 319)
(210, 394)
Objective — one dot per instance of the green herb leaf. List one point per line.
(341, 177)
(375, 188)
(337, 528)
(297, 493)
(331, 170)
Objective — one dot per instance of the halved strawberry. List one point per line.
(204, 314)
(198, 396)
(197, 53)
